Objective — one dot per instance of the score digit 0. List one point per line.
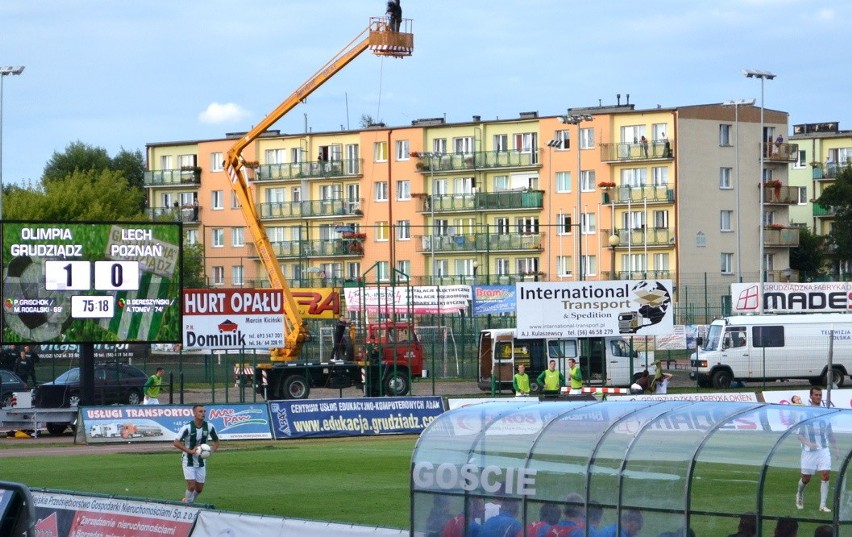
(116, 275)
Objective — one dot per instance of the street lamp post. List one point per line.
(762, 75)
(577, 119)
(4, 72)
(614, 241)
(736, 105)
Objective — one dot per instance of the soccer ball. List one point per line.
(203, 451)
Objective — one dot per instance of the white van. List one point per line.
(775, 347)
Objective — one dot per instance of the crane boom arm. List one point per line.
(385, 43)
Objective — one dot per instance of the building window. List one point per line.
(237, 275)
(727, 263)
(633, 220)
(501, 142)
(561, 140)
(218, 275)
(296, 155)
(725, 182)
(217, 237)
(502, 266)
(403, 230)
(501, 182)
(464, 185)
(588, 224)
(524, 142)
(217, 201)
(726, 221)
(439, 146)
(190, 237)
(661, 219)
(724, 135)
(380, 152)
(275, 156)
(235, 201)
(527, 224)
(590, 265)
(166, 162)
(803, 195)
(403, 190)
(587, 138)
(661, 262)
(463, 145)
(383, 271)
(404, 266)
(661, 175)
(237, 236)
(381, 190)
(501, 226)
(564, 265)
(564, 224)
(402, 150)
(634, 177)
(587, 180)
(382, 231)
(216, 162)
(563, 181)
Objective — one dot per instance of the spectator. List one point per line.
(521, 381)
(631, 524)
(25, 366)
(505, 523)
(643, 142)
(824, 531)
(747, 526)
(787, 527)
(455, 527)
(573, 519)
(548, 516)
(438, 516)
(642, 384)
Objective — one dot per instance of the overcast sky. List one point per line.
(120, 74)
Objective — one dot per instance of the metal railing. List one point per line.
(310, 169)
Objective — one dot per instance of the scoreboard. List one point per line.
(74, 282)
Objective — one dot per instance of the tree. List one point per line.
(809, 257)
(192, 271)
(837, 197)
(82, 157)
(98, 196)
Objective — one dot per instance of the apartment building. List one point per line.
(598, 193)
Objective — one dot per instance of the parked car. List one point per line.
(114, 384)
(9, 384)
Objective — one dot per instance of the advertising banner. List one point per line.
(783, 297)
(422, 299)
(233, 318)
(488, 299)
(592, 309)
(160, 423)
(324, 418)
(317, 302)
(67, 515)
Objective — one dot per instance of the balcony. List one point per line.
(778, 194)
(639, 194)
(780, 153)
(304, 209)
(639, 275)
(508, 199)
(479, 242)
(189, 175)
(450, 162)
(829, 171)
(317, 248)
(310, 170)
(622, 151)
(819, 210)
(174, 214)
(640, 237)
(780, 236)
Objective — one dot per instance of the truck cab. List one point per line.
(392, 354)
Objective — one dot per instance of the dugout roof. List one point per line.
(681, 464)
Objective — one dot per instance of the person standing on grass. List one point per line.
(550, 379)
(521, 382)
(151, 388)
(190, 436)
(575, 377)
(817, 440)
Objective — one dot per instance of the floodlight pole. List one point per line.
(4, 72)
(762, 75)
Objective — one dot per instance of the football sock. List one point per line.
(801, 489)
(823, 493)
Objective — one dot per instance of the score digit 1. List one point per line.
(67, 275)
(116, 275)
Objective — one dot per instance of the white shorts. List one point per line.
(191, 473)
(150, 401)
(816, 461)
